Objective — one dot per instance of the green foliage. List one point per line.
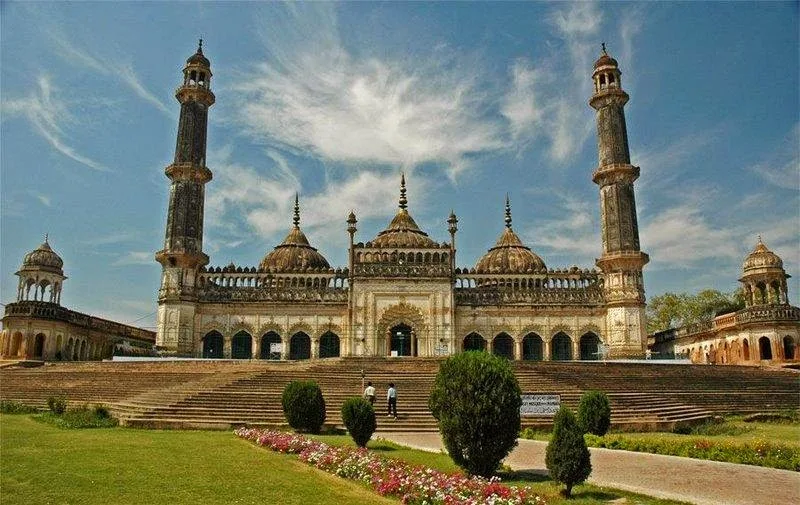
(476, 399)
(751, 452)
(80, 417)
(358, 416)
(304, 406)
(12, 407)
(594, 413)
(567, 457)
(57, 404)
(672, 310)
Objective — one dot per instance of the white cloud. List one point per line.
(111, 67)
(112, 238)
(135, 258)
(46, 113)
(574, 233)
(43, 199)
(521, 105)
(782, 169)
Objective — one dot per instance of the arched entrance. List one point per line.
(300, 346)
(788, 347)
(38, 346)
(267, 341)
(242, 346)
(503, 345)
(765, 348)
(400, 340)
(561, 347)
(16, 343)
(212, 345)
(532, 347)
(589, 347)
(329, 345)
(746, 350)
(474, 342)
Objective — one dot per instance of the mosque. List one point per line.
(401, 293)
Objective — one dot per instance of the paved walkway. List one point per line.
(683, 479)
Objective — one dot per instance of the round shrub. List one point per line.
(57, 404)
(476, 399)
(567, 457)
(303, 406)
(594, 413)
(359, 419)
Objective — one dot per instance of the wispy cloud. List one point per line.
(135, 258)
(574, 233)
(43, 199)
(112, 238)
(782, 168)
(114, 67)
(46, 113)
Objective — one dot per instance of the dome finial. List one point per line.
(200, 46)
(508, 212)
(603, 46)
(296, 219)
(403, 199)
(46, 235)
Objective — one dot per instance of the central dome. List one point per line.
(294, 254)
(509, 255)
(403, 230)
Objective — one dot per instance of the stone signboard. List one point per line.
(539, 405)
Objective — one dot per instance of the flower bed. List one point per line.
(414, 485)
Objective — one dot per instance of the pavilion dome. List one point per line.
(198, 57)
(509, 255)
(761, 258)
(43, 258)
(295, 253)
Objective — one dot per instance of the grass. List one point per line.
(46, 465)
(539, 482)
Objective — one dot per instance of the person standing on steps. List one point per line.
(391, 397)
(369, 393)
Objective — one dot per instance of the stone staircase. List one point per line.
(222, 394)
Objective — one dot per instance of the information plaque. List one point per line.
(539, 405)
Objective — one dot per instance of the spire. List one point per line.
(602, 45)
(200, 46)
(508, 212)
(46, 235)
(296, 219)
(403, 200)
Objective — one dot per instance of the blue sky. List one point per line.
(471, 100)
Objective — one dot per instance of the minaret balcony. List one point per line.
(614, 173)
(195, 93)
(608, 96)
(188, 171)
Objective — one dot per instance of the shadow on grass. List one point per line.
(594, 495)
(524, 476)
(381, 447)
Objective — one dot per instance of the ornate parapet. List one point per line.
(53, 312)
(401, 270)
(774, 313)
(552, 287)
(328, 295)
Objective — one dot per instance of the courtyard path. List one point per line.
(683, 479)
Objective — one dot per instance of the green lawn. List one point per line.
(43, 464)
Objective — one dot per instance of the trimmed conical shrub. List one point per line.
(358, 416)
(303, 406)
(594, 413)
(567, 456)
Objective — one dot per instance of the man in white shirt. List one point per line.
(369, 393)
(391, 397)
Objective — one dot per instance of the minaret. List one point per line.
(622, 260)
(183, 253)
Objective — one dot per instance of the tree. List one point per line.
(476, 399)
(594, 413)
(672, 310)
(303, 406)
(567, 457)
(358, 417)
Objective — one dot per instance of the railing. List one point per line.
(768, 313)
(534, 296)
(757, 314)
(231, 277)
(214, 293)
(401, 270)
(46, 310)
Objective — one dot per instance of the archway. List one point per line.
(59, 352)
(329, 345)
(788, 347)
(474, 342)
(267, 350)
(503, 345)
(300, 346)
(16, 343)
(82, 354)
(68, 349)
(561, 347)
(38, 346)
(589, 347)
(401, 340)
(532, 346)
(242, 346)
(746, 350)
(765, 348)
(212, 345)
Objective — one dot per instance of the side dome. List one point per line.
(761, 258)
(43, 258)
(294, 254)
(509, 255)
(605, 59)
(198, 57)
(403, 230)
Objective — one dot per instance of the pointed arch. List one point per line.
(267, 340)
(300, 346)
(503, 345)
(561, 347)
(242, 345)
(474, 342)
(532, 347)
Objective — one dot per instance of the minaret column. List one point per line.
(182, 255)
(622, 260)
